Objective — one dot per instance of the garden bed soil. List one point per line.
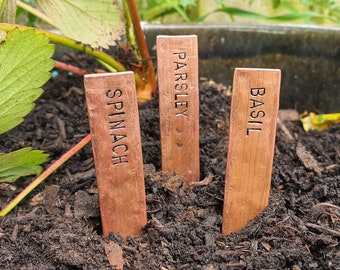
(58, 225)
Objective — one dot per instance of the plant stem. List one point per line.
(150, 78)
(130, 35)
(44, 175)
(73, 69)
(55, 38)
(36, 13)
(99, 55)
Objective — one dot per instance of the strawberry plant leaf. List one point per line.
(24, 67)
(20, 163)
(97, 23)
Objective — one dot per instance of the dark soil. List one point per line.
(58, 225)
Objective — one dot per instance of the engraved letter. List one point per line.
(257, 91)
(181, 55)
(109, 93)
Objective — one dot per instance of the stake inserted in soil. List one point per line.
(116, 143)
(177, 65)
(254, 108)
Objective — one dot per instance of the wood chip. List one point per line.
(115, 255)
(308, 159)
(206, 181)
(38, 199)
(14, 235)
(4, 186)
(323, 229)
(288, 115)
(51, 199)
(284, 129)
(266, 246)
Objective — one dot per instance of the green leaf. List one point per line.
(24, 67)
(186, 3)
(241, 13)
(20, 163)
(306, 2)
(275, 4)
(8, 10)
(305, 16)
(157, 11)
(97, 23)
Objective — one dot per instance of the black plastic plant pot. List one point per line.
(308, 56)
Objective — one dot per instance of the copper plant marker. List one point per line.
(116, 143)
(254, 108)
(177, 65)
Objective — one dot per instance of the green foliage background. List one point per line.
(322, 12)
